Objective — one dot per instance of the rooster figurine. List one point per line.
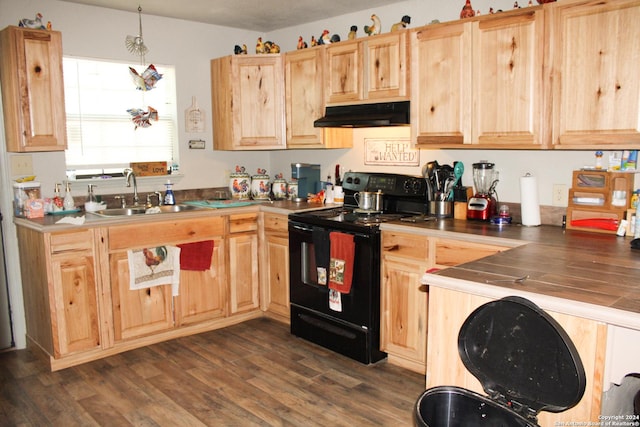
(374, 29)
(260, 46)
(271, 47)
(352, 32)
(32, 23)
(324, 38)
(467, 10)
(301, 43)
(240, 50)
(404, 22)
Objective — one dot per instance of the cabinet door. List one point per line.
(258, 90)
(247, 97)
(203, 294)
(344, 72)
(404, 313)
(304, 93)
(441, 85)
(74, 293)
(277, 274)
(507, 80)
(403, 316)
(137, 312)
(386, 67)
(32, 90)
(596, 89)
(243, 272)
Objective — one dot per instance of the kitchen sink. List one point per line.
(121, 211)
(177, 208)
(141, 210)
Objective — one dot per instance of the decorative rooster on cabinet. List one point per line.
(375, 28)
(467, 10)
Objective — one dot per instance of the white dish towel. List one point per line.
(153, 267)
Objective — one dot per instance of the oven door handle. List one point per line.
(308, 229)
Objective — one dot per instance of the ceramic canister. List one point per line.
(240, 185)
(260, 186)
(292, 189)
(279, 188)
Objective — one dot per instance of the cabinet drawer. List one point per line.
(455, 252)
(278, 223)
(243, 222)
(71, 241)
(405, 245)
(165, 232)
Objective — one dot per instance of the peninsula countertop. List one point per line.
(590, 275)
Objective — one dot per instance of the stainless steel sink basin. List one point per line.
(121, 211)
(177, 208)
(141, 210)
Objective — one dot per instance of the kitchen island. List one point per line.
(589, 282)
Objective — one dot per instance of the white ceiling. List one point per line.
(255, 15)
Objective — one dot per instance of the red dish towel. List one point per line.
(341, 264)
(196, 256)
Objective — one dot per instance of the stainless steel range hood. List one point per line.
(365, 115)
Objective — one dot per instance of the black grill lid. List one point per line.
(521, 354)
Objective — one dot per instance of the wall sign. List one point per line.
(390, 152)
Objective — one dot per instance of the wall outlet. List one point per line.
(560, 195)
(21, 164)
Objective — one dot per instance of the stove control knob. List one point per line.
(356, 180)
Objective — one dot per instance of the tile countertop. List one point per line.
(589, 275)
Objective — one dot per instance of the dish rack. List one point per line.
(598, 200)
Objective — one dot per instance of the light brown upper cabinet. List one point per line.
(247, 97)
(32, 90)
(596, 69)
(479, 82)
(370, 69)
(304, 98)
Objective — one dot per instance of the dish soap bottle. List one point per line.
(69, 203)
(57, 202)
(169, 198)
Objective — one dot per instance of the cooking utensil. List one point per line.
(458, 171)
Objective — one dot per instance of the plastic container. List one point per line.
(169, 198)
(23, 191)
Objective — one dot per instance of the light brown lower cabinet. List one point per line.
(60, 290)
(79, 305)
(404, 302)
(275, 266)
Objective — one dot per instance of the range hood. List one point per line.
(365, 115)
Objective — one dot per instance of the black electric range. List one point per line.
(348, 323)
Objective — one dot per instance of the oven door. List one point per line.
(362, 304)
(352, 328)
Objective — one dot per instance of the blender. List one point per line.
(483, 204)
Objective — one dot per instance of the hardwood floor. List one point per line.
(251, 374)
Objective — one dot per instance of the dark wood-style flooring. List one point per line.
(251, 374)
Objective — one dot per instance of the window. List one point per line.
(101, 135)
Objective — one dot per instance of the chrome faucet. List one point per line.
(128, 175)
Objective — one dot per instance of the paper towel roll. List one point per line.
(529, 205)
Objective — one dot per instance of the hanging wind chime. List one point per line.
(143, 82)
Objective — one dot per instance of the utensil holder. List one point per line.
(441, 209)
